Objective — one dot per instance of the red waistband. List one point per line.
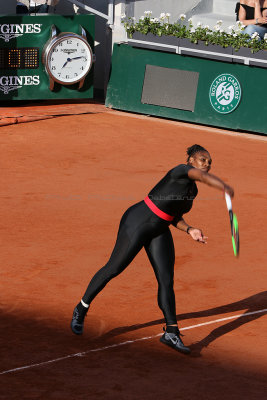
(157, 211)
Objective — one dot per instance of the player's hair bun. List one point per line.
(196, 148)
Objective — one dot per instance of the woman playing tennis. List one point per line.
(146, 224)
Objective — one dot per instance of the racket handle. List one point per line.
(228, 201)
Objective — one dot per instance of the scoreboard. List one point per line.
(23, 58)
(28, 47)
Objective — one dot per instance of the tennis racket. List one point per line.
(234, 225)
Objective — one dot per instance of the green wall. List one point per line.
(127, 78)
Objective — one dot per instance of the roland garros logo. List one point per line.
(225, 93)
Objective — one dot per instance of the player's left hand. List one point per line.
(197, 235)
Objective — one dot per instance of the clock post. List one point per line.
(46, 57)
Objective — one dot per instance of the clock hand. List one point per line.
(68, 60)
(77, 58)
(71, 59)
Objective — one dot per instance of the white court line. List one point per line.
(127, 342)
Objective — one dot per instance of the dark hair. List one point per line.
(196, 148)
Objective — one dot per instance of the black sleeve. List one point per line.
(181, 171)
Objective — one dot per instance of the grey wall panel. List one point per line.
(169, 87)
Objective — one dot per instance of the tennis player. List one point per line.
(146, 224)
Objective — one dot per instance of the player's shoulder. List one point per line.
(183, 167)
(181, 171)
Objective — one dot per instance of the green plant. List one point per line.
(161, 26)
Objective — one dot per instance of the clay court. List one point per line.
(65, 183)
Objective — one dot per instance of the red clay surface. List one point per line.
(46, 110)
(65, 184)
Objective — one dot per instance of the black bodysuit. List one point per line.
(140, 227)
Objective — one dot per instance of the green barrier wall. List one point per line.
(249, 110)
(33, 31)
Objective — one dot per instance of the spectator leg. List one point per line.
(21, 9)
(261, 30)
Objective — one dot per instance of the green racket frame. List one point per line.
(235, 232)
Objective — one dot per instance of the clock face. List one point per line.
(69, 59)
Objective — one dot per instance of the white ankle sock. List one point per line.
(84, 304)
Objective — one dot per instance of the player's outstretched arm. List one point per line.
(195, 233)
(211, 180)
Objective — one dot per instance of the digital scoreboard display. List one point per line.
(19, 58)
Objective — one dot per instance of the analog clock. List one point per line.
(67, 58)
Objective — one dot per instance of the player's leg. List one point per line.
(133, 232)
(161, 254)
(126, 248)
(160, 251)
